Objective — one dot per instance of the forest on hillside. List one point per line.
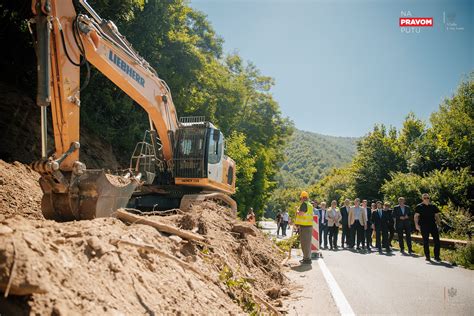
(182, 46)
(310, 156)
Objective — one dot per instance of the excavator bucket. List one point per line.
(95, 194)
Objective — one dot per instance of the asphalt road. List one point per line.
(375, 284)
(398, 284)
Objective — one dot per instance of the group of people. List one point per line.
(358, 223)
(282, 219)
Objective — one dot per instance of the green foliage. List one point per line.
(289, 243)
(449, 141)
(237, 149)
(283, 199)
(439, 158)
(337, 185)
(17, 58)
(412, 131)
(408, 185)
(457, 223)
(239, 289)
(311, 156)
(377, 156)
(462, 255)
(445, 187)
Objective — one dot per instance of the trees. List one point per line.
(237, 148)
(377, 156)
(337, 185)
(449, 143)
(311, 156)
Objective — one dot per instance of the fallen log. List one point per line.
(153, 249)
(166, 228)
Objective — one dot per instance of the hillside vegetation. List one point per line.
(310, 156)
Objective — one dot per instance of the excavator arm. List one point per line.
(97, 41)
(66, 41)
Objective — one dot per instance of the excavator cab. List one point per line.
(199, 159)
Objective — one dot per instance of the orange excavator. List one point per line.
(178, 163)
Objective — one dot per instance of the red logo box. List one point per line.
(416, 22)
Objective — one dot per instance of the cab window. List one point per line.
(216, 145)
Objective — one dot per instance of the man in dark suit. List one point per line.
(345, 238)
(391, 226)
(323, 226)
(380, 223)
(402, 214)
(368, 231)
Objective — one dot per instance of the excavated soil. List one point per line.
(20, 193)
(104, 266)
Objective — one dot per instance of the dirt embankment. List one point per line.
(20, 137)
(85, 268)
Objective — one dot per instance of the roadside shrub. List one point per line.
(457, 223)
(447, 186)
(463, 256)
(286, 244)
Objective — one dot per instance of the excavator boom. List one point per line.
(65, 42)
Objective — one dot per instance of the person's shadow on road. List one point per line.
(302, 267)
(441, 264)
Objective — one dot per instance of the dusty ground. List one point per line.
(80, 268)
(20, 193)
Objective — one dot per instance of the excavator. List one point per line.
(179, 162)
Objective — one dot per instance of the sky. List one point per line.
(342, 66)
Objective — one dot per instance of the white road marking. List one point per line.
(336, 292)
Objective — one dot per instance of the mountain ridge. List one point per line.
(310, 156)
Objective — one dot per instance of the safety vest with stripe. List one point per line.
(307, 218)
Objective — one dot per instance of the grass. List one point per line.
(462, 255)
(286, 244)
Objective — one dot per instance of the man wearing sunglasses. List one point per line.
(426, 220)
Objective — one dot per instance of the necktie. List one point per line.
(380, 213)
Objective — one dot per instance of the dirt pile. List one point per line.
(20, 192)
(107, 266)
